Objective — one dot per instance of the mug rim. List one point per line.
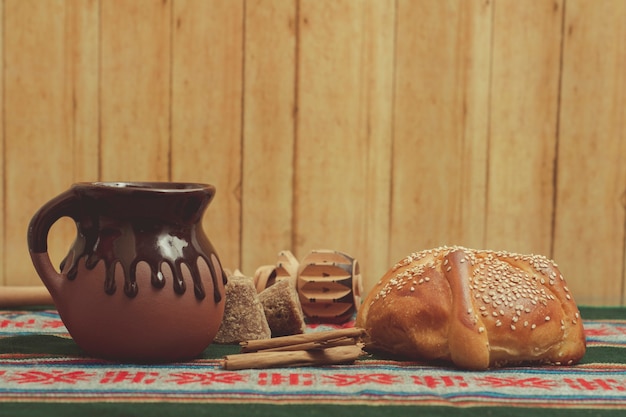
(155, 186)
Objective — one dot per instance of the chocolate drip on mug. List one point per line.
(120, 247)
(156, 229)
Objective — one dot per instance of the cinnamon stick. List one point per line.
(345, 341)
(295, 341)
(260, 360)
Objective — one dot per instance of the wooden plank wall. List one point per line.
(374, 127)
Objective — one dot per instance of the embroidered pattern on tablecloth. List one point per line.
(49, 378)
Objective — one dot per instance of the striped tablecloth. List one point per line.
(43, 372)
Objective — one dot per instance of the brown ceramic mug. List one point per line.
(142, 281)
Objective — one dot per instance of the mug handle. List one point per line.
(63, 205)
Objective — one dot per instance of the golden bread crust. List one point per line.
(475, 308)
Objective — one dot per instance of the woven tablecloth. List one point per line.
(43, 372)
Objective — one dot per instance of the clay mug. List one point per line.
(142, 281)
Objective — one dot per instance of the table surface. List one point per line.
(43, 372)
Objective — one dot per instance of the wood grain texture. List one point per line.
(269, 131)
(441, 116)
(135, 62)
(372, 127)
(49, 119)
(377, 51)
(81, 81)
(343, 129)
(590, 219)
(523, 125)
(207, 112)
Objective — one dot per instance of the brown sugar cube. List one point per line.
(282, 308)
(244, 316)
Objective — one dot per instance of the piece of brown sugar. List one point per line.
(282, 308)
(244, 315)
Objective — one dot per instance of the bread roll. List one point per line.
(475, 308)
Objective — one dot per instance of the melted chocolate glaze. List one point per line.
(124, 224)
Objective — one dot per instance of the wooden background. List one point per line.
(374, 127)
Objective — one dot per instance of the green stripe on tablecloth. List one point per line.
(260, 410)
(59, 346)
(62, 346)
(599, 313)
(39, 344)
(605, 355)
